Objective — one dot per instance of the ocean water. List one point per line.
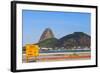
(61, 51)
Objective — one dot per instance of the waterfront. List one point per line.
(60, 55)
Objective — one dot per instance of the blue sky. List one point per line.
(61, 23)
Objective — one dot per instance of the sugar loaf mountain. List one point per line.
(71, 41)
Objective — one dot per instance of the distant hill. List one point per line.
(48, 43)
(76, 39)
(46, 34)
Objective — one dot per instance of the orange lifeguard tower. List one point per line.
(32, 51)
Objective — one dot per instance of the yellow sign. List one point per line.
(32, 50)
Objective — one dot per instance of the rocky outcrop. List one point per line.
(47, 34)
(75, 40)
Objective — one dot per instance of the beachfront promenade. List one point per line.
(56, 55)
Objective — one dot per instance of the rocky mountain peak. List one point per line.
(46, 34)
